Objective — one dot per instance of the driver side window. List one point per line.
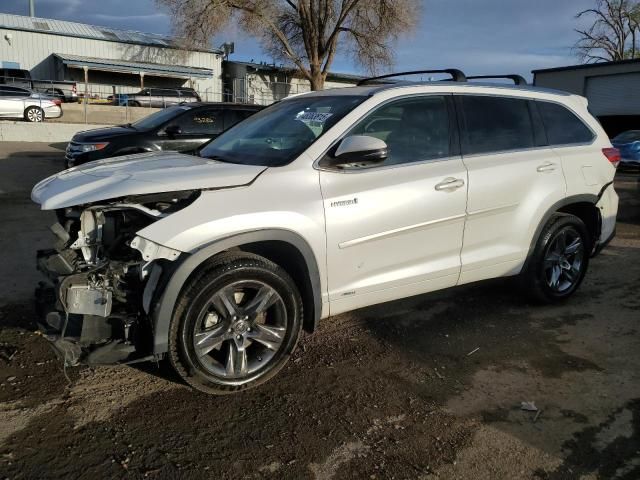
(414, 129)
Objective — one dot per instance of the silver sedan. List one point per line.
(16, 102)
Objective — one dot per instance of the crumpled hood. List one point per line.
(136, 175)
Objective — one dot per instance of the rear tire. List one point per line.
(559, 261)
(34, 114)
(236, 324)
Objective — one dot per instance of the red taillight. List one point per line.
(74, 89)
(57, 102)
(613, 155)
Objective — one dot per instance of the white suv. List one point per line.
(320, 204)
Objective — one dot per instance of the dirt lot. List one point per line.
(390, 391)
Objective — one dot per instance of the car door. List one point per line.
(395, 230)
(6, 105)
(514, 178)
(12, 101)
(168, 97)
(191, 129)
(158, 98)
(142, 98)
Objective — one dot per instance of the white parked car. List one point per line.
(321, 204)
(17, 102)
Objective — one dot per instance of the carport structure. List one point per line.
(133, 69)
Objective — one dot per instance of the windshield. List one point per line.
(627, 137)
(277, 135)
(156, 119)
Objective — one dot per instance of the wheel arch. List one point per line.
(283, 247)
(589, 213)
(582, 206)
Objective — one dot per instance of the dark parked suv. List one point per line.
(182, 128)
(156, 97)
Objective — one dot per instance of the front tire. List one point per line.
(235, 325)
(559, 261)
(34, 114)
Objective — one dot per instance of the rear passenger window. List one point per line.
(200, 122)
(562, 125)
(495, 124)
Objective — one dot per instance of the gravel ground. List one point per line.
(391, 391)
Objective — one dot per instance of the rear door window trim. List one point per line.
(463, 127)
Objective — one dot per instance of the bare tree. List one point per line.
(614, 33)
(306, 33)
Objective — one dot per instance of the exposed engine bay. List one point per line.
(102, 278)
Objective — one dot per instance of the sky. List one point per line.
(478, 37)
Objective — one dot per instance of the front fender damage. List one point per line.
(102, 278)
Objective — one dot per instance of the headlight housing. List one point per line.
(92, 147)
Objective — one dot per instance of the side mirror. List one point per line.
(360, 149)
(173, 130)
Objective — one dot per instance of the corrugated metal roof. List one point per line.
(133, 67)
(81, 30)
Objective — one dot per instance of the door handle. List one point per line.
(546, 167)
(449, 183)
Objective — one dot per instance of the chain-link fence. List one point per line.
(260, 92)
(116, 104)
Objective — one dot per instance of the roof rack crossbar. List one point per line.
(517, 79)
(456, 75)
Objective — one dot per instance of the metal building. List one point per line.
(612, 88)
(114, 60)
(265, 83)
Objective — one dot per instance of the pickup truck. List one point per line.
(64, 90)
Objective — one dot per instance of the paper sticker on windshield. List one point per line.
(313, 117)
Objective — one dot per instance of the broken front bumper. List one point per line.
(78, 318)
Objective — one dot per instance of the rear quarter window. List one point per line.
(562, 125)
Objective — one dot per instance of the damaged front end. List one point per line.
(102, 278)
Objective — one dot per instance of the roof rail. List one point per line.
(517, 79)
(456, 75)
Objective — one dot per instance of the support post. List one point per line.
(86, 91)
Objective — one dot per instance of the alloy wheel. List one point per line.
(239, 330)
(34, 115)
(564, 259)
